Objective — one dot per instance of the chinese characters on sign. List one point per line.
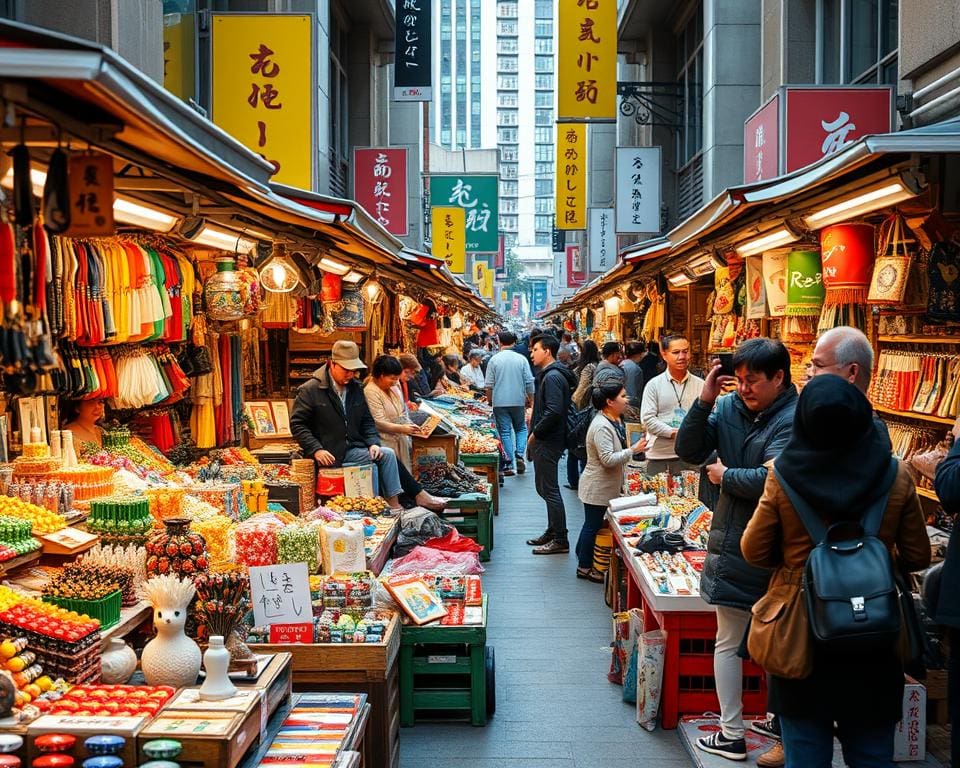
(90, 180)
(576, 273)
(380, 186)
(603, 240)
(262, 93)
(761, 142)
(587, 60)
(411, 71)
(179, 56)
(539, 299)
(448, 231)
(280, 594)
(571, 176)
(477, 196)
(638, 189)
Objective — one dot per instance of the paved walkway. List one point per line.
(551, 632)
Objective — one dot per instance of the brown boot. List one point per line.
(773, 757)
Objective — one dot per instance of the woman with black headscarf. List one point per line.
(836, 461)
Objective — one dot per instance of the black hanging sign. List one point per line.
(412, 80)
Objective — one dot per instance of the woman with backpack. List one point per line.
(585, 368)
(838, 469)
(602, 479)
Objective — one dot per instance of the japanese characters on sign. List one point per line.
(571, 176)
(539, 299)
(603, 240)
(638, 189)
(280, 594)
(90, 182)
(262, 90)
(761, 142)
(380, 186)
(477, 195)
(576, 273)
(411, 71)
(587, 60)
(448, 231)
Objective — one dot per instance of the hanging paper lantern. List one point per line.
(224, 293)
(330, 287)
(848, 254)
(804, 283)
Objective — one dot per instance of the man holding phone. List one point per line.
(746, 428)
(666, 400)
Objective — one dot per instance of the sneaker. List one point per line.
(553, 547)
(718, 744)
(521, 465)
(508, 472)
(773, 757)
(769, 727)
(543, 538)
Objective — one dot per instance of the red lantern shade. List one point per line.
(848, 252)
(330, 287)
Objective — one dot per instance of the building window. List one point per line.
(545, 205)
(543, 83)
(507, 64)
(509, 154)
(544, 117)
(857, 41)
(543, 29)
(544, 99)
(545, 169)
(543, 153)
(508, 28)
(509, 241)
(690, 80)
(508, 188)
(543, 9)
(508, 223)
(544, 187)
(543, 63)
(506, 99)
(475, 134)
(544, 222)
(507, 45)
(508, 170)
(339, 116)
(543, 45)
(509, 205)
(506, 10)
(507, 82)
(544, 135)
(543, 238)
(506, 135)
(508, 117)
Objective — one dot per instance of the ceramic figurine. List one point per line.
(171, 658)
(118, 662)
(216, 661)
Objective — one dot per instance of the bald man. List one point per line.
(846, 352)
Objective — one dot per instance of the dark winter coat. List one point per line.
(319, 421)
(744, 442)
(947, 484)
(551, 401)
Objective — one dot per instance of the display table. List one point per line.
(472, 515)
(488, 466)
(369, 668)
(459, 655)
(691, 626)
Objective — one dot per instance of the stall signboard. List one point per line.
(559, 287)
(500, 260)
(90, 182)
(478, 196)
(800, 125)
(263, 93)
(380, 185)
(539, 297)
(515, 304)
(280, 594)
(576, 270)
(483, 279)
(558, 238)
(412, 74)
(587, 60)
(638, 189)
(571, 176)
(448, 227)
(603, 240)
(179, 55)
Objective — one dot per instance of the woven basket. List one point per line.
(304, 473)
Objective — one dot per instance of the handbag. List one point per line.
(779, 638)
(888, 284)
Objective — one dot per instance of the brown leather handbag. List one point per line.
(779, 639)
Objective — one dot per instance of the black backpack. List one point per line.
(578, 422)
(852, 597)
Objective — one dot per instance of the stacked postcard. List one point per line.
(320, 729)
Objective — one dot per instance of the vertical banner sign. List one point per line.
(761, 142)
(500, 260)
(448, 228)
(558, 237)
(90, 182)
(576, 273)
(412, 79)
(603, 242)
(587, 60)
(263, 91)
(559, 274)
(515, 304)
(380, 186)
(477, 195)
(539, 302)
(571, 176)
(483, 279)
(638, 189)
(179, 54)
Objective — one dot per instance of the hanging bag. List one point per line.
(888, 285)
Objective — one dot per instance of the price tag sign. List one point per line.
(90, 180)
(291, 633)
(280, 594)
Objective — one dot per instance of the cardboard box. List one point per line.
(910, 741)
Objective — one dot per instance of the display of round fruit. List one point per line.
(176, 549)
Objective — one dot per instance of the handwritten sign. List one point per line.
(380, 186)
(587, 60)
(603, 244)
(90, 179)
(280, 594)
(638, 189)
(449, 236)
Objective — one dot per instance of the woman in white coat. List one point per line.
(602, 479)
(387, 406)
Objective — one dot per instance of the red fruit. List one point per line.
(187, 567)
(186, 549)
(163, 565)
(202, 563)
(151, 563)
(172, 549)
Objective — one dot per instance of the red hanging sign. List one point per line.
(380, 186)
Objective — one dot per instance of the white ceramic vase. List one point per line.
(171, 658)
(216, 663)
(118, 662)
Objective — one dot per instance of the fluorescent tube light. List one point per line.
(770, 240)
(353, 276)
(224, 240)
(329, 265)
(866, 202)
(679, 279)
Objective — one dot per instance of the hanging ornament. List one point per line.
(279, 274)
(223, 293)
(331, 287)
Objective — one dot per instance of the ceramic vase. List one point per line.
(216, 662)
(118, 662)
(171, 658)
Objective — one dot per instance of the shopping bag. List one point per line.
(891, 270)
(343, 547)
(329, 482)
(650, 651)
(618, 656)
(630, 676)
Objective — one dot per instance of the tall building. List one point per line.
(461, 114)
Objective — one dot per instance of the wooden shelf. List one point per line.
(926, 493)
(919, 339)
(919, 416)
(19, 562)
(130, 619)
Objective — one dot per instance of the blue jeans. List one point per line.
(511, 419)
(809, 743)
(592, 522)
(386, 476)
(574, 467)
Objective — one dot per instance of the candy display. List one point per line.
(41, 520)
(112, 700)
(15, 538)
(450, 480)
(256, 540)
(361, 504)
(300, 544)
(121, 521)
(475, 442)
(176, 550)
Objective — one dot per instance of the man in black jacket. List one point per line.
(746, 429)
(554, 387)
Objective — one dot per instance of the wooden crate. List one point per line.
(486, 465)
(435, 445)
(84, 727)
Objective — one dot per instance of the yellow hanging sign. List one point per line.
(587, 60)
(263, 88)
(449, 228)
(483, 279)
(571, 176)
(179, 60)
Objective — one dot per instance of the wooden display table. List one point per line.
(472, 515)
(369, 668)
(488, 466)
(459, 654)
(691, 625)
